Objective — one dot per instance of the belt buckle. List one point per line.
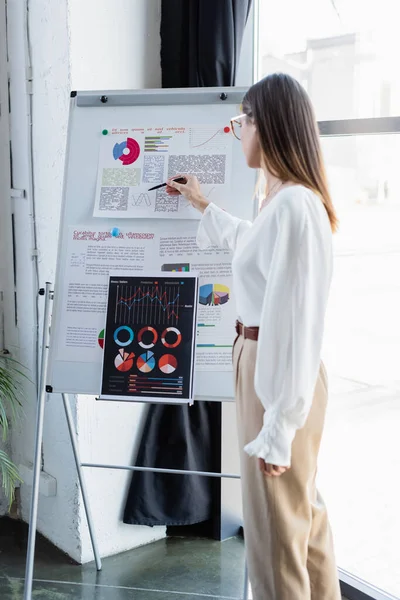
(238, 328)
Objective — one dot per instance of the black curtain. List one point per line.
(200, 47)
(201, 41)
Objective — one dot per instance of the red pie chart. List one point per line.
(100, 339)
(168, 364)
(147, 337)
(171, 337)
(127, 152)
(124, 360)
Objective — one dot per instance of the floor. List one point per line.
(172, 569)
(365, 418)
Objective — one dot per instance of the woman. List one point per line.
(282, 268)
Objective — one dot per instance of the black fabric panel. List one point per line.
(220, 32)
(174, 43)
(201, 41)
(175, 437)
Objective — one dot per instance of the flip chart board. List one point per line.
(119, 145)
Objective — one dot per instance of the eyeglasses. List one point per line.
(236, 125)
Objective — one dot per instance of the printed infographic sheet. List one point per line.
(150, 338)
(133, 160)
(93, 254)
(216, 311)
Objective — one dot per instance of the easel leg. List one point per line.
(82, 482)
(246, 582)
(30, 557)
(37, 462)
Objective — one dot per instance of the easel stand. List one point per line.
(30, 560)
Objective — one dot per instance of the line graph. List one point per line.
(207, 139)
(153, 304)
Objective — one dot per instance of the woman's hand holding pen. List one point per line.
(190, 190)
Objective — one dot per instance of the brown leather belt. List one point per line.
(249, 333)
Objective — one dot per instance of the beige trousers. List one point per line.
(287, 535)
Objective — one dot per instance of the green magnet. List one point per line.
(105, 132)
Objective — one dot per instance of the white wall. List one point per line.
(66, 38)
(6, 281)
(48, 36)
(90, 44)
(115, 44)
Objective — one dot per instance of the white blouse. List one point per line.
(282, 270)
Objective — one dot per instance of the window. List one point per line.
(345, 53)
(360, 456)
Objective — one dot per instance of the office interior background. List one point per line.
(345, 53)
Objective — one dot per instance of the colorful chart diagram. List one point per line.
(127, 335)
(214, 294)
(168, 364)
(124, 361)
(157, 143)
(176, 268)
(100, 339)
(127, 152)
(171, 337)
(155, 299)
(146, 362)
(147, 337)
(208, 139)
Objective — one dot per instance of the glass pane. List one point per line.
(360, 457)
(345, 53)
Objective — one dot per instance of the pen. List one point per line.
(157, 187)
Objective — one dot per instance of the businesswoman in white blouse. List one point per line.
(282, 267)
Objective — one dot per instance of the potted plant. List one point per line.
(10, 411)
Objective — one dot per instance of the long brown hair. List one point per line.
(288, 134)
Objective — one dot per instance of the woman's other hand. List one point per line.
(271, 470)
(190, 190)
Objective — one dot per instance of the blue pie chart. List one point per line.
(146, 362)
(130, 333)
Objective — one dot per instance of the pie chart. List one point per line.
(124, 361)
(100, 339)
(146, 362)
(127, 152)
(171, 337)
(127, 335)
(147, 337)
(214, 294)
(168, 364)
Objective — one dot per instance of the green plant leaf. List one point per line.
(9, 476)
(11, 408)
(10, 394)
